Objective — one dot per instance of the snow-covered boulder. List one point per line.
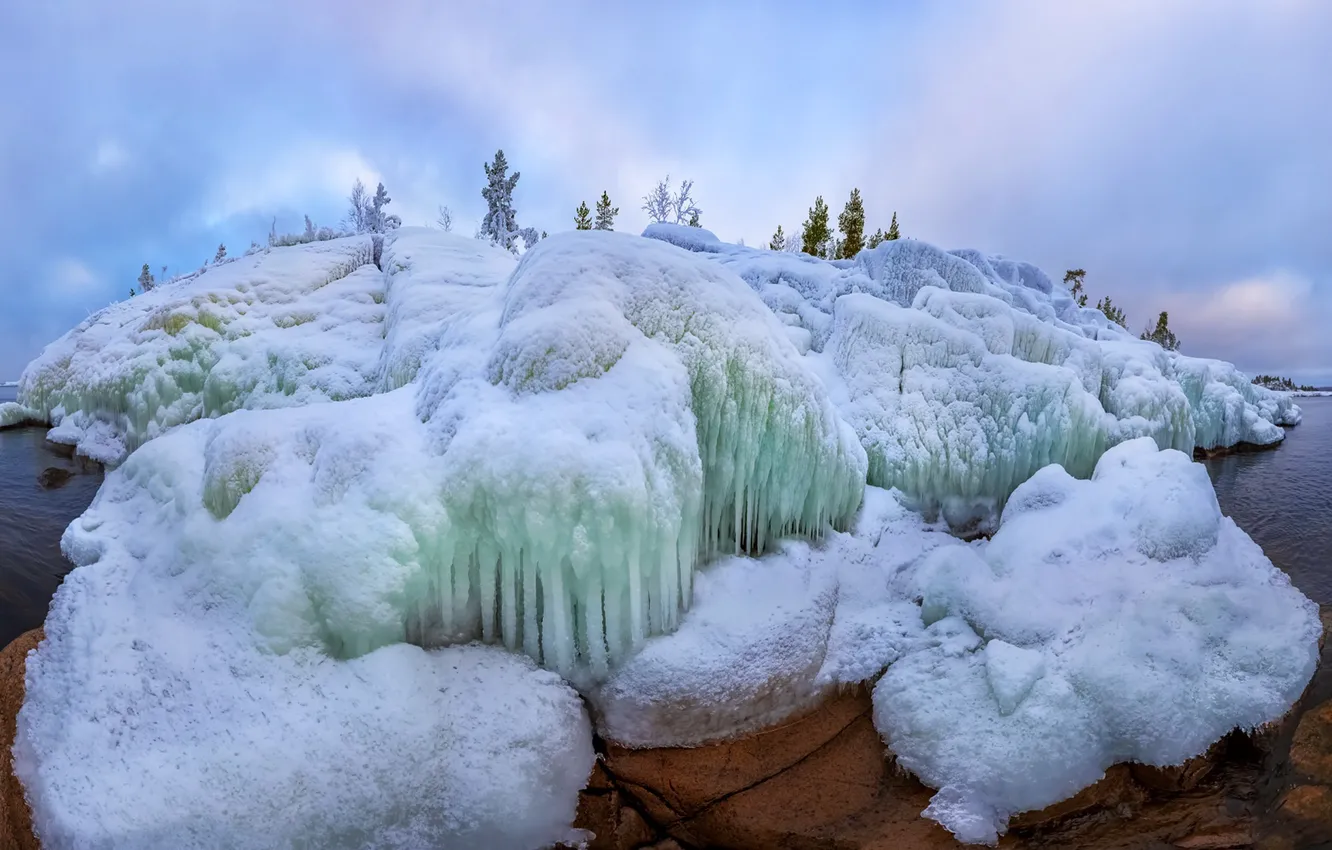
(1117, 619)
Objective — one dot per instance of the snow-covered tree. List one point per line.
(500, 225)
(816, 234)
(662, 205)
(357, 219)
(146, 281)
(893, 232)
(657, 203)
(686, 210)
(852, 224)
(379, 220)
(1111, 312)
(310, 232)
(445, 220)
(606, 213)
(778, 241)
(221, 252)
(582, 217)
(876, 238)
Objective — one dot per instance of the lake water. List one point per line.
(31, 522)
(1282, 498)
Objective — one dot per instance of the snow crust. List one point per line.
(331, 477)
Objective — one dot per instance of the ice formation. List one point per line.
(902, 333)
(1117, 619)
(327, 453)
(13, 414)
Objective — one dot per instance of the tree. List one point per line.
(816, 234)
(852, 224)
(1161, 334)
(445, 220)
(379, 221)
(310, 232)
(1073, 279)
(146, 281)
(678, 208)
(582, 217)
(1112, 312)
(778, 241)
(876, 239)
(132, 292)
(500, 225)
(221, 252)
(893, 232)
(358, 211)
(606, 213)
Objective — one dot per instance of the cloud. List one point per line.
(68, 278)
(289, 181)
(108, 157)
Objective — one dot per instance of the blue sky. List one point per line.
(1180, 152)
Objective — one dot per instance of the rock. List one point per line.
(1183, 777)
(15, 819)
(1117, 788)
(603, 811)
(823, 779)
(53, 477)
(1311, 747)
(61, 449)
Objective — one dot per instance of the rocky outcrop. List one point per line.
(15, 820)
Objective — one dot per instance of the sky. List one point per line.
(1180, 152)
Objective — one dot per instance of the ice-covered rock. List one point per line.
(1117, 619)
(323, 461)
(13, 414)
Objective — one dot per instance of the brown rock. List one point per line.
(1183, 777)
(15, 819)
(1111, 791)
(1311, 747)
(53, 477)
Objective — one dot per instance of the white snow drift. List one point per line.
(325, 465)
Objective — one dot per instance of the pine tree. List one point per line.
(1112, 312)
(378, 220)
(500, 225)
(852, 224)
(1073, 279)
(816, 233)
(693, 219)
(221, 253)
(893, 232)
(146, 281)
(876, 239)
(1161, 334)
(605, 212)
(778, 242)
(310, 232)
(582, 217)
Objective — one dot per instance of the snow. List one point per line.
(699, 482)
(1111, 620)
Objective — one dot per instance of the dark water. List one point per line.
(31, 521)
(1283, 498)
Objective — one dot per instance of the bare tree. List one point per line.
(445, 220)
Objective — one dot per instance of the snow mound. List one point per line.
(1111, 620)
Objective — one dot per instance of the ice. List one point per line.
(331, 477)
(958, 430)
(1111, 620)
(13, 414)
(279, 328)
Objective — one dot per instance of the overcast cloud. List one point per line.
(1180, 152)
